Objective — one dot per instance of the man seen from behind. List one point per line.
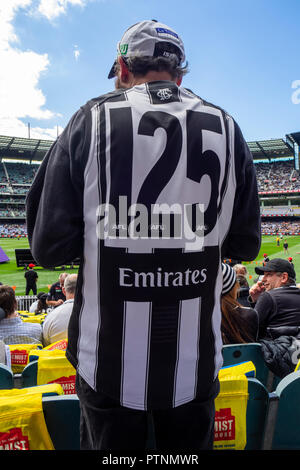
(151, 186)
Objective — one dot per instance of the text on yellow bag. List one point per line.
(19, 355)
(230, 414)
(61, 344)
(56, 369)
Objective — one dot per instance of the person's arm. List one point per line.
(54, 303)
(244, 237)
(264, 307)
(54, 204)
(255, 291)
(46, 333)
(50, 301)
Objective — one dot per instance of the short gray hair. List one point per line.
(140, 66)
(70, 283)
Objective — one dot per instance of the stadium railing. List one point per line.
(25, 301)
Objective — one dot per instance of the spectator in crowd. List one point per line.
(56, 296)
(133, 359)
(239, 324)
(31, 280)
(266, 259)
(55, 326)
(34, 304)
(42, 306)
(5, 354)
(243, 291)
(12, 328)
(276, 297)
(240, 269)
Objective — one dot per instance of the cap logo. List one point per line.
(164, 94)
(165, 31)
(123, 49)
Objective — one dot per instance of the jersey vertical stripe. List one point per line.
(188, 341)
(89, 318)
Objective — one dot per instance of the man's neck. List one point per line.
(151, 76)
(13, 315)
(69, 296)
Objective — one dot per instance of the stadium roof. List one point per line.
(294, 137)
(274, 148)
(23, 149)
(35, 149)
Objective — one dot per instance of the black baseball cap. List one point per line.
(277, 265)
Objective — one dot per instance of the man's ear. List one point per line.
(285, 277)
(124, 73)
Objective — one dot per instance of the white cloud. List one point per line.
(53, 8)
(76, 52)
(21, 97)
(16, 128)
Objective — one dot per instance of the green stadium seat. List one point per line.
(29, 375)
(282, 429)
(236, 353)
(62, 416)
(257, 412)
(6, 377)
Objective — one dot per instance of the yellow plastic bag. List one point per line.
(230, 414)
(19, 355)
(34, 318)
(53, 389)
(35, 354)
(22, 423)
(57, 369)
(247, 368)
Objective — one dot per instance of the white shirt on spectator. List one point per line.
(55, 326)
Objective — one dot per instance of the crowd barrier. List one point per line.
(25, 301)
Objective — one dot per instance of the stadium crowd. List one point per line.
(280, 227)
(13, 230)
(277, 176)
(56, 305)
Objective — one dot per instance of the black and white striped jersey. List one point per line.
(151, 186)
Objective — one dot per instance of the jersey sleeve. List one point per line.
(244, 237)
(54, 204)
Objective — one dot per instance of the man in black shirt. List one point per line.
(56, 296)
(31, 279)
(276, 296)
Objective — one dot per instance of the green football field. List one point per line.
(13, 276)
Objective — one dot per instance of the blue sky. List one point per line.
(243, 55)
